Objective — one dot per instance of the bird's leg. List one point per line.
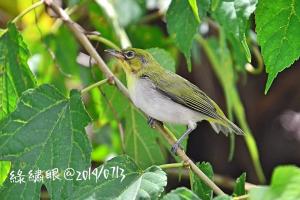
(151, 122)
(191, 126)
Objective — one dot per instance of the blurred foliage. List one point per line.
(284, 185)
(39, 109)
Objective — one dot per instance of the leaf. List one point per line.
(183, 25)
(277, 28)
(163, 58)
(223, 197)
(181, 193)
(15, 75)
(198, 186)
(125, 181)
(128, 11)
(284, 185)
(141, 141)
(193, 4)
(145, 36)
(46, 131)
(239, 188)
(4, 170)
(65, 48)
(233, 16)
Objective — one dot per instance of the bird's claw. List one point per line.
(175, 148)
(152, 121)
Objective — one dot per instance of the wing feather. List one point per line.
(185, 93)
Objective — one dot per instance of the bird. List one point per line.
(167, 97)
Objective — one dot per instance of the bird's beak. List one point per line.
(115, 53)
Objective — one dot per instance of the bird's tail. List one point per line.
(226, 127)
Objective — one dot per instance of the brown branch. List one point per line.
(225, 182)
(103, 67)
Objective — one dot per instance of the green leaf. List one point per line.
(145, 36)
(193, 4)
(284, 185)
(65, 48)
(141, 141)
(127, 183)
(15, 75)
(181, 193)
(183, 25)
(163, 58)
(4, 170)
(277, 28)
(198, 186)
(239, 188)
(223, 197)
(46, 131)
(233, 16)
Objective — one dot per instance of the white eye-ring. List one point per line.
(129, 54)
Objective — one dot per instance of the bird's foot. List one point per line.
(152, 122)
(175, 148)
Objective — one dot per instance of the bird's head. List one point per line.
(133, 59)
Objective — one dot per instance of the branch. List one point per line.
(225, 182)
(103, 67)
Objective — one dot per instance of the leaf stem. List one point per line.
(104, 68)
(88, 88)
(260, 64)
(27, 10)
(172, 165)
(104, 41)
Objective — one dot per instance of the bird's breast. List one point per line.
(158, 106)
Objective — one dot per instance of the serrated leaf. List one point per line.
(277, 28)
(65, 48)
(128, 182)
(239, 188)
(46, 131)
(163, 58)
(233, 16)
(4, 170)
(141, 141)
(284, 185)
(181, 193)
(15, 75)
(198, 186)
(182, 24)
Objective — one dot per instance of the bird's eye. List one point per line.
(129, 54)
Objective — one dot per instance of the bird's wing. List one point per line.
(185, 93)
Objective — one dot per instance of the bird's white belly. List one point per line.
(158, 106)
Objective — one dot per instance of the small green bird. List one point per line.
(167, 97)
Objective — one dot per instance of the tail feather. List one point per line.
(226, 127)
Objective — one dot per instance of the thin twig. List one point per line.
(103, 67)
(172, 165)
(104, 41)
(224, 181)
(88, 88)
